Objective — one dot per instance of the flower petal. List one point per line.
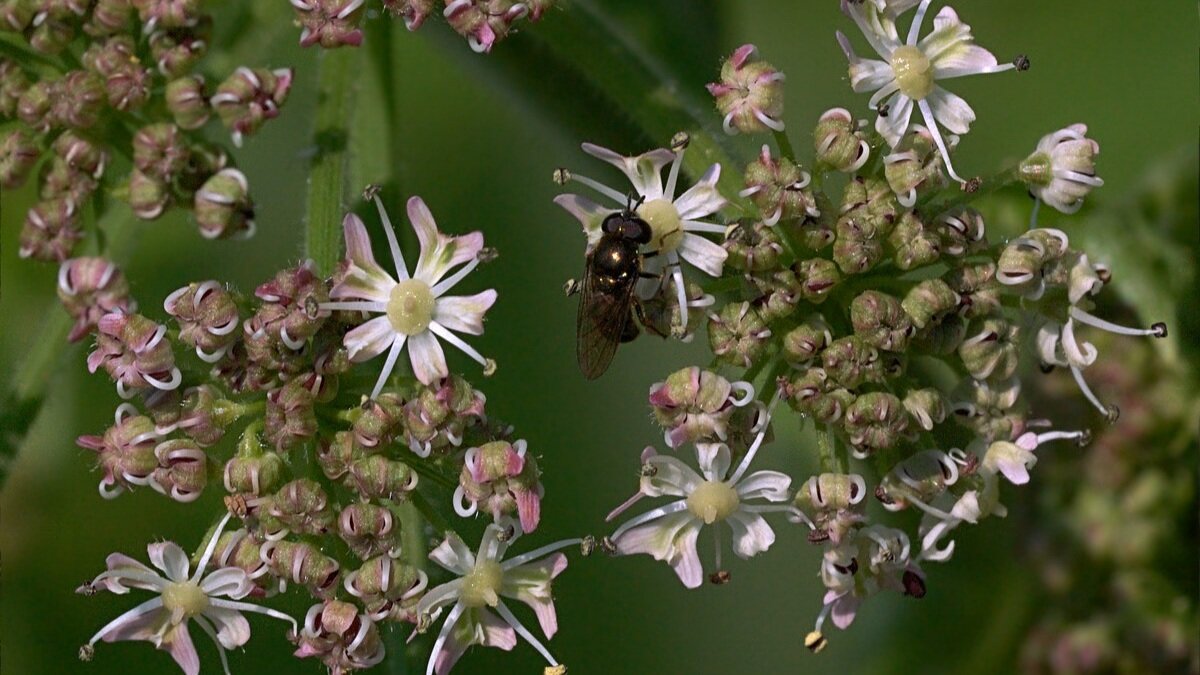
(704, 254)
(589, 214)
(714, 460)
(369, 340)
(644, 171)
(770, 485)
(951, 111)
(671, 538)
(232, 628)
(168, 557)
(178, 643)
(702, 199)
(672, 476)
(439, 252)
(751, 533)
(231, 582)
(365, 279)
(464, 313)
(530, 583)
(453, 555)
(892, 127)
(844, 610)
(428, 359)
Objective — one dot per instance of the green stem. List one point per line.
(337, 71)
(785, 146)
(954, 197)
(832, 457)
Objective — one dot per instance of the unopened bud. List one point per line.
(223, 207)
(737, 334)
(749, 95)
(839, 143)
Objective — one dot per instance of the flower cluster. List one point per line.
(874, 306)
(338, 23)
(119, 80)
(330, 474)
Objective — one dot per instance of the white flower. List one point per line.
(909, 71)
(673, 220)
(414, 308)
(669, 532)
(484, 580)
(1062, 171)
(163, 620)
(1014, 459)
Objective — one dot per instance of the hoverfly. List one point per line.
(609, 310)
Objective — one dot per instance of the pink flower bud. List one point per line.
(483, 22)
(182, 470)
(125, 454)
(368, 529)
(290, 416)
(223, 206)
(136, 353)
(695, 405)
(167, 13)
(501, 479)
(89, 288)
(160, 151)
(51, 230)
(750, 93)
(376, 477)
(302, 506)
(340, 637)
(248, 98)
(109, 17)
(188, 101)
(177, 51)
(207, 317)
(302, 564)
(291, 309)
(413, 12)
(329, 23)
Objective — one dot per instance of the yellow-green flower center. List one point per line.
(712, 501)
(481, 586)
(410, 307)
(184, 598)
(666, 227)
(913, 72)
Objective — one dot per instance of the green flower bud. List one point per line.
(818, 277)
(926, 406)
(178, 50)
(18, 154)
(834, 502)
(805, 342)
(752, 247)
(928, 301)
(290, 417)
(35, 103)
(159, 151)
(992, 349)
(383, 585)
(979, 294)
(51, 230)
(880, 321)
(871, 204)
(750, 93)
(303, 564)
(335, 456)
(914, 167)
(256, 475)
(51, 35)
(915, 245)
(849, 361)
(80, 97)
(188, 102)
(368, 529)
(853, 252)
(148, 196)
(779, 188)
(782, 292)
(376, 477)
(250, 97)
(223, 206)
(695, 405)
(942, 337)
(737, 334)
(961, 232)
(302, 506)
(182, 471)
(13, 82)
(839, 143)
(109, 17)
(875, 421)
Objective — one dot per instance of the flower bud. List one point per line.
(854, 251)
(291, 304)
(812, 393)
(880, 321)
(752, 247)
(501, 479)
(926, 406)
(16, 16)
(414, 12)
(334, 456)
(387, 588)
(329, 23)
(992, 349)
(207, 317)
(849, 362)
(779, 188)
(961, 231)
(663, 313)
(160, 151)
(13, 82)
(109, 17)
(750, 93)
(223, 206)
(929, 301)
(51, 230)
(125, 454)
(1025, 260)
(781, 291)
(875, 421)
(380, 420)
(257, 474)
(81, 154)
(834, 502)
(302, 506)
(182, 470)
(80, 99)
(290, 417)
(340, 637)
(51, 34)
(136, 353)
(818, 277)
(695, 405)
(178, 50)
(805, 342)
(301, 563)
(483, 22)
(914, 167)
(1062, 171)
(18, 154)
(368, 530)
(914, 243)
(737, 334)
(439, 415)
(248, 98)
(979, 294)
(34, 106)
(376, 477)
(89, 288)
(60, 181)
(870, 205)
(187, 101)
(839, 143)
(115, 61)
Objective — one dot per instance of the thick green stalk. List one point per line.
(337, 73)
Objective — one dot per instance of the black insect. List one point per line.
(609, 310)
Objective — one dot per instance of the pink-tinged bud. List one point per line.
(871, 206)
(387, 588)
(812, 392)
(115, 61)
(914, 167)
(962, 232)
(501, 479)
(290, 416)
(239, 549)
(13, 82)
(414, 12)
(835, 502)
(18, 153)
(750, 94)
(182, 470)
(977, 287)
(256, 475)
(737, 334)
(915, 244)
(167, 13)
(875, 421)
(839, 142)
(81, 154)
(291, 309)
(223, 207)
(340, 637)
(440, 414)
(187, 100)
(779, 188)
(483, 22)
(80, 99)
(753, 247)
(817, 278)
(34, 106)
(805, 342)
(376, 477)
(369, 530)
(51, 34)
(136, 353)
(335, 456)
(854, 251)
(89, 288)
(329, 23)
(148, 196)
(302, 506)
(382, 417)
(109, 17)
(695, 405)
(302, 564)
(781, 292)
(927, 407)
(205, 415)
(207, 317)
(125, 454)
(992, 349)
(178, 50)
(929, 301)
(248, 98)
(849, 362)
(51, 230)
(160, 151)
(59, 181)
(880, 320)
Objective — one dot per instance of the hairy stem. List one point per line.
(337, 71)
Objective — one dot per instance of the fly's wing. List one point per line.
(603, 313)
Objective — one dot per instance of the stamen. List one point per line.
(1111, 413)
(653, 514)
(1158, 330)
(389, 364)
(453, 339)
(601, 188)
(208, 550)
(540, 552)
(673, 177)
(927, 114)
(212, 633)
(397, 254)
(512, 620)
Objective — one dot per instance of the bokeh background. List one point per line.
(481, 154)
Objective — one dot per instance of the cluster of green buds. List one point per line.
(94, 87)
(861, 290)
(338, 23)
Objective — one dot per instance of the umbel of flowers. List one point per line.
(329, 462)
(861, 289)
(119, 80)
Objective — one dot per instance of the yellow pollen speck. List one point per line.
(666, 226)
(712, 501)
(410, 307)
(913, 72)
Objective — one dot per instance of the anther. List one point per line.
(1160, 329)
(487, 254)
(489, 367)
(86, 653)
(608, 545)
(972, 186)
(587, 546)
(571, 287)
(1113, 414)
(680, 141)
(720, 577)
(814, 641)
(562, 176)
(371, 191)
(1021, 62)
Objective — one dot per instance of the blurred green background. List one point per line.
(481, 155)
